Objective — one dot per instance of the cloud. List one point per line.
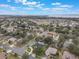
(13, 8)
(29, 8)
(54, 9)
(25, 2)
(40, 5)
(30, 3)
(8, 0)
(6, 12)
(46, 9)
(21, 1)
(66, 6)
(4, 5)
(8, 6)
(34, 4)
(59, 9)
(56, 3)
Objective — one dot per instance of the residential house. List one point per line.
(3, 55)
(50, 51)
(68, 55)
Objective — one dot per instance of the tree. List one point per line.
(48, 40)
(40, 51)
(30, 37)
(59, 45)
(74, 48)
(25, 56)
(39, 38)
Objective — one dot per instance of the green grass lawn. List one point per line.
(10, 56)
(1, 50)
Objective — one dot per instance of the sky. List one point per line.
(38, 7)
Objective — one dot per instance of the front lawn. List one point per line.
(11, 56)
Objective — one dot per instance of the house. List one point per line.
(67, 43)
(3, 55)
(68, 55)
(50, 51)
(10, 29)
(54, 35)
(44, 57)
(12, 39)
(51, 34)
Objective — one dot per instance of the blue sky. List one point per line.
(38, 7)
